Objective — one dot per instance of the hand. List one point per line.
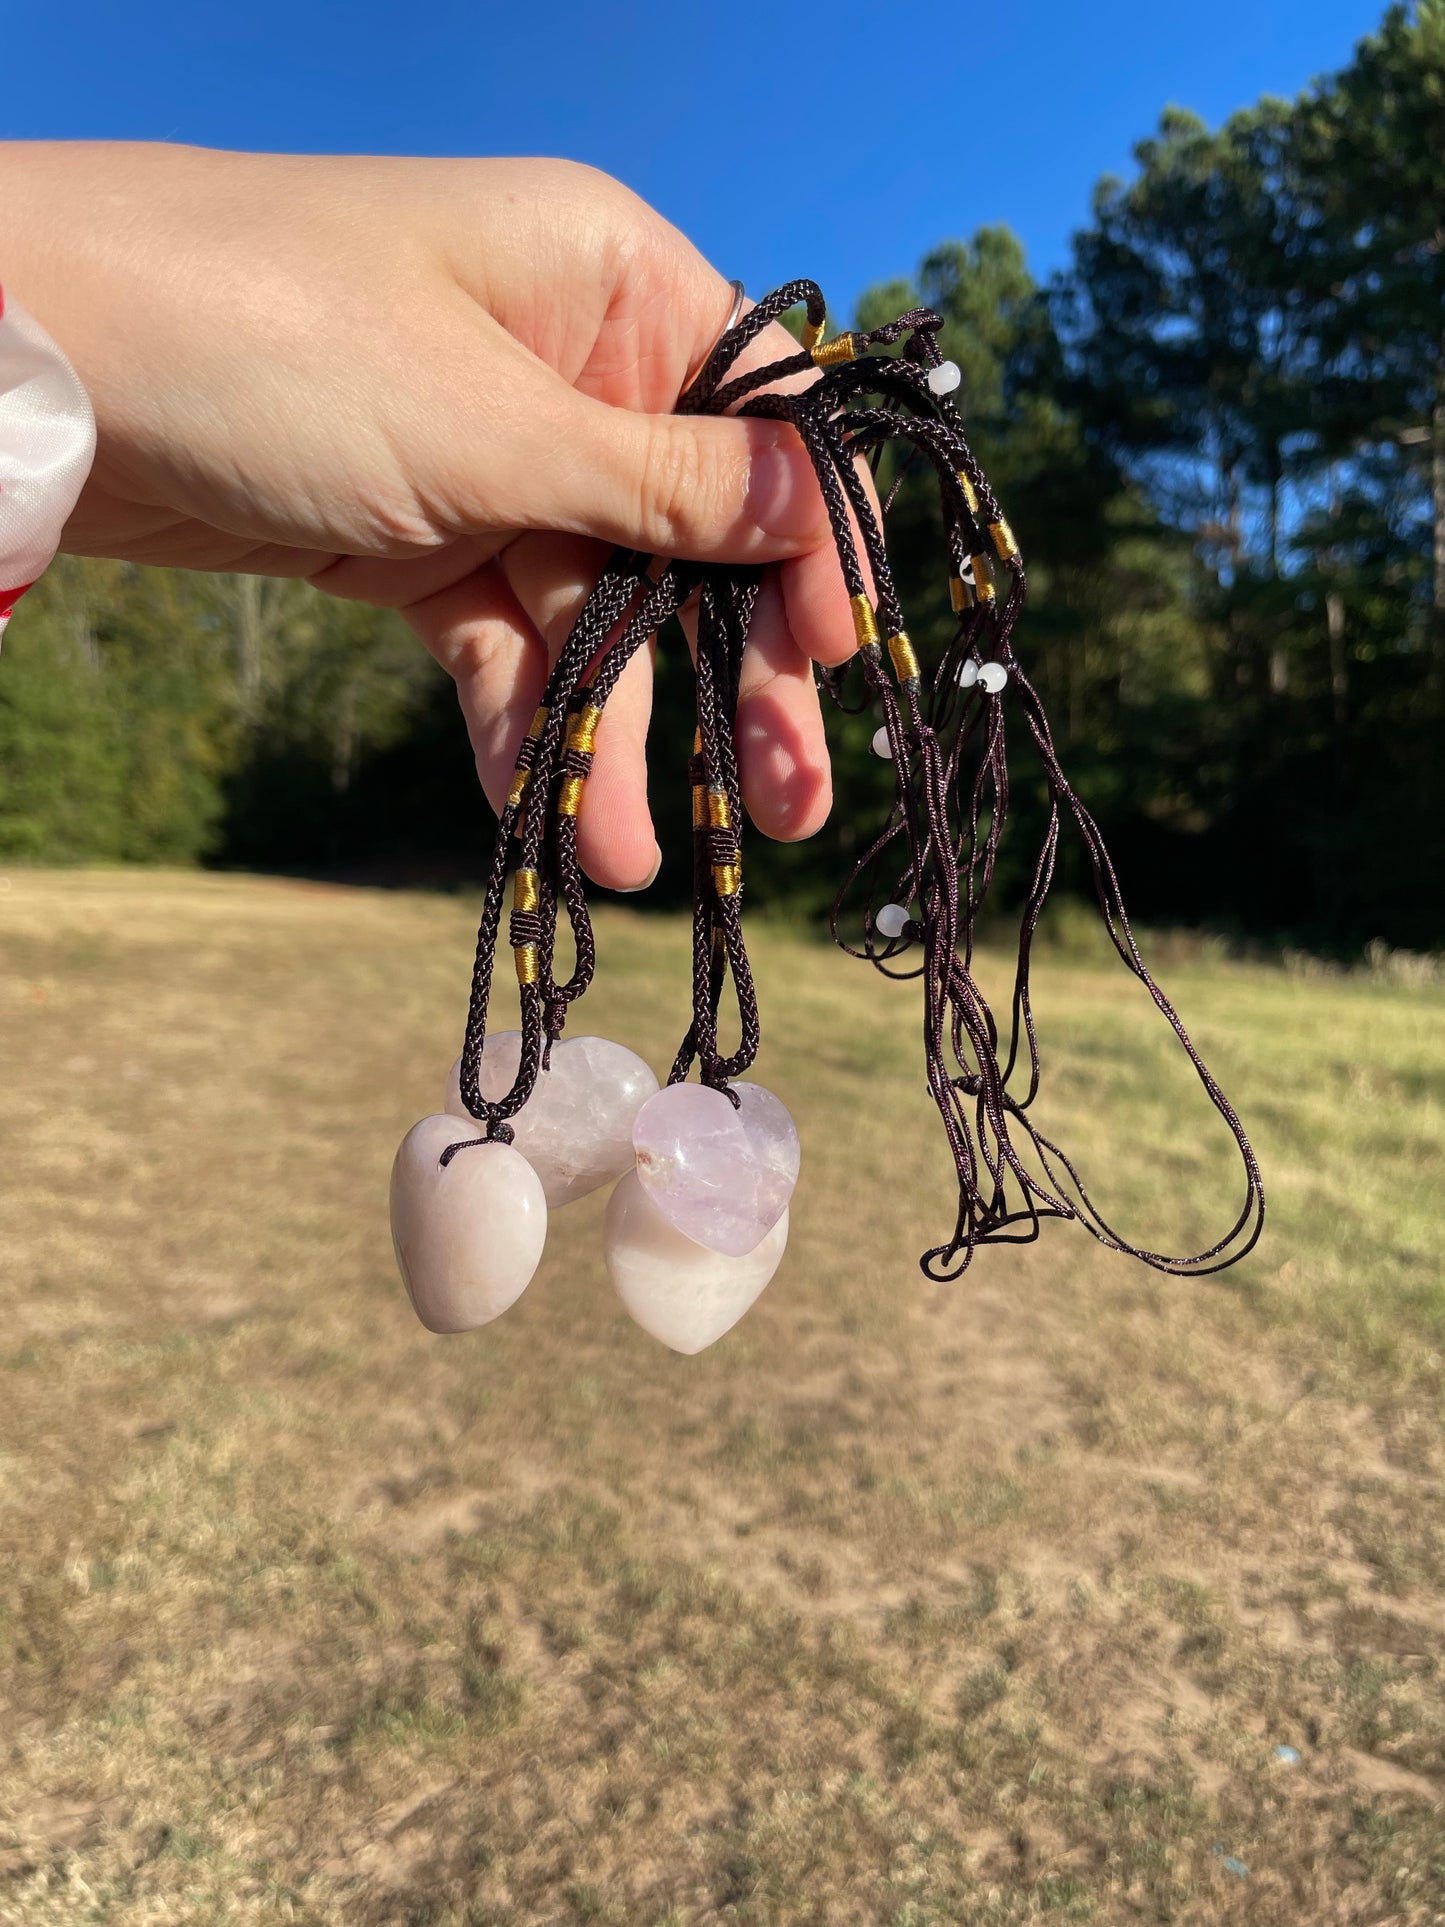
(440, 387)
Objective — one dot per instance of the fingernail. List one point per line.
(631, 889)
(783, 498)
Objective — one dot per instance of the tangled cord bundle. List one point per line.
(923, 881)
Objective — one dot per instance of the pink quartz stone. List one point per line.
(677, 1290)
(722, 1177)
(468, 1236)
(575, 1130)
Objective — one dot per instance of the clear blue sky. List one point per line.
(839, 140)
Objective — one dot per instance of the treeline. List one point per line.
(1220, 437)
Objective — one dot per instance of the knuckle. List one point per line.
(679, 486)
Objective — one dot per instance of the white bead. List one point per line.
(891, 921)
(881, 745)
(968, 675)
(944, 378)
(992, 677)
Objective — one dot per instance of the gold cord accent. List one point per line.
(526, 896)
(865, 622)
(582, 730)
(813, 332)
(970, 493)
(983, 578)
(905, 660)
(523, 775)
(719, 815)
(699, 807)
(1003, 540)
(727, 878)
(841, 348)
(960, 594)
(569, 796)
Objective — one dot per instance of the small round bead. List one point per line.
(968, 674)
(881, 745)
(992, 677)
(891, 921)
(944, 378)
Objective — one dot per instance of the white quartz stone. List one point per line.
(992, 677)
(891, 920)
(468, 1237)
(576, 1128)
(944, 378)
(881, 745)
(721, 1176)
(677, 1290)
(968, 674)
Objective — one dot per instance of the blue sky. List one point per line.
(839, 141)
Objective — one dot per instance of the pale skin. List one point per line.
(441, 387)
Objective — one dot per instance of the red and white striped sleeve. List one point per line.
(47, 444)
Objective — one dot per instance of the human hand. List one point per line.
(441, 387)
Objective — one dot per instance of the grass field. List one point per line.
(903, 1605)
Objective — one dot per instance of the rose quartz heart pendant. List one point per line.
(677, 1290)
(469, 1235)
(721, 1176)
(575, 1130)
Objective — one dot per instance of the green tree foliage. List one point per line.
(1220, 437)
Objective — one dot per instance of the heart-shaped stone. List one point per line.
(575, 1130)
(721, 1176)
(678, 1290)
(468, 1236)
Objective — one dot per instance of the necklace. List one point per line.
(697, 1224)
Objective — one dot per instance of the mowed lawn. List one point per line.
(904, 1604)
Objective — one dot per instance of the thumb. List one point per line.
(706, 489)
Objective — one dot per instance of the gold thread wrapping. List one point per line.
(828, 354)
(526, 890)
(865, 623)
(1003, 540)
(905, 660)
(582, 730)
(983, 578)
(727, 878)
(960, 594)
(523, 775)
(569, 796)
(697, 742)
(718, 813)
(970, 493)
(812, 335)
(699, 807)
(525, 957)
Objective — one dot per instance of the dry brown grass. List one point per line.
(900, 1606)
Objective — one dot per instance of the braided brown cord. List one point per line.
(939, 846)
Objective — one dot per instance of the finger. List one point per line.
(701, 487)
(481, 636)
(552, 576)
(616, 843)
(781, 746)
(815, 593)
